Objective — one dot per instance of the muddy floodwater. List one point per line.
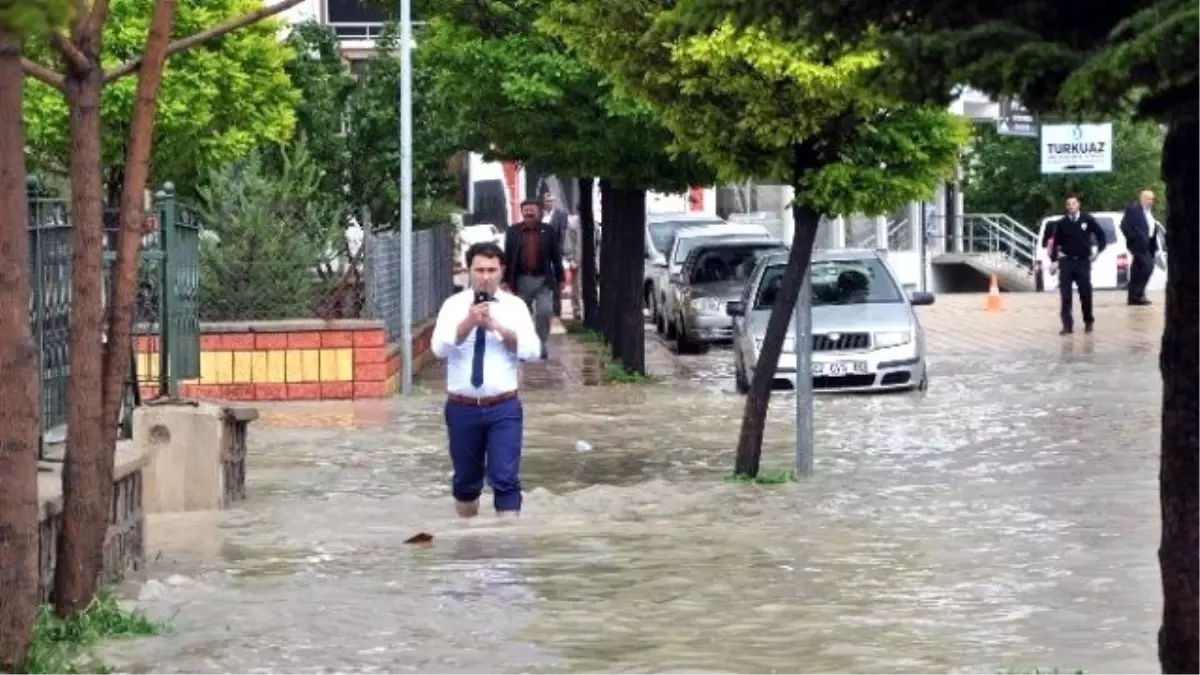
(1005, 519)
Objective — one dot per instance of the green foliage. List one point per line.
(1003, 174)
(354, 125)
(758, 105)
(269, 239)
(28, 18)
(1054, 57)
(66, 646)
(509, 89)
(217, 101)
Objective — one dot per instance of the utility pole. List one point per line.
(406, 204)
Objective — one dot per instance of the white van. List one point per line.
(1111, 269)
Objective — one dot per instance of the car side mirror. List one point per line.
(920, 298)
(735, 308)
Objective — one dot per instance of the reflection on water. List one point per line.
(1007, 517)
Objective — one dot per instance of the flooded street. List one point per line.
(1007, 518)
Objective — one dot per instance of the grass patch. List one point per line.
(611, 370)
(617, 373)
(68, 646)
(767, 477)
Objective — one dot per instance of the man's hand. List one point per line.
(479, 315)
(1093, 257)
(509, 337)
(1053, 268)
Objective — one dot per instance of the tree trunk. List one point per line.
(754, 415)
(587, 256)
(87, 471)
(135, 174)
(1178, 643)
(629, 327)
(18, 387)
(608, 260)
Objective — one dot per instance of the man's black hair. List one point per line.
(487, 249)
(531, 202)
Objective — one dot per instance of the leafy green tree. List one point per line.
(268, 236)
(324, 85)
(352, 123)
(512, 90)
(1003, 174)
(374, 142)
(1064, 59)
(216, 102)
(759, 106)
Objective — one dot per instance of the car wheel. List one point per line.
(682, 344)
(923, 384)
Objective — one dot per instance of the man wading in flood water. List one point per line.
(482, 332)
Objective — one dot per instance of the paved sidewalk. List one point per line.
(960, 323)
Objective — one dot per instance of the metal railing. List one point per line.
(898, 237)
(999, 238)
(168, 284)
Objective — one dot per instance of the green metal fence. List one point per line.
(166, 309)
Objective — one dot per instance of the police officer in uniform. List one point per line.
(1070, 241)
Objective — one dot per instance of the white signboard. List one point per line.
(1077, 148)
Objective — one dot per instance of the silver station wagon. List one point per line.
(866, 335)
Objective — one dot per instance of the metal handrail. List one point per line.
(1000, 235)
(893, 227)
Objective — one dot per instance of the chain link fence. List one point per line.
(433, 275)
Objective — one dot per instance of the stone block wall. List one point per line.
(124, 543)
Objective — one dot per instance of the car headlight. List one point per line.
(892, 339)
(707, 305)
(789, 344)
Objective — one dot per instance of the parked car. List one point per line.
(865, 334)
(1111, 269)
(715, 272)
(681, 244)
(660, 229)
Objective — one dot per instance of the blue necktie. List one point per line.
(477, 361)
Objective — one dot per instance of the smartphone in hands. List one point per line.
(482, 296)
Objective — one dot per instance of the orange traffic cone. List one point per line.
(994, 302)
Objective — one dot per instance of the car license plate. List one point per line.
(838, 368)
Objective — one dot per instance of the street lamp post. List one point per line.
(802, 347)
(406, 204)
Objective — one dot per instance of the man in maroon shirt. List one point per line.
(533, 266)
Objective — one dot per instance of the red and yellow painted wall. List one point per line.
(290, 361)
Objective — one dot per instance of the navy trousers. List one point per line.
(486, 443)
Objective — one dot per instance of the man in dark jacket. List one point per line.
(1070, 241)
(1139, 229)
(533, 268)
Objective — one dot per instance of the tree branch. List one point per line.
(41, 73)
(95, 22)
(70, 52)
(132, 65)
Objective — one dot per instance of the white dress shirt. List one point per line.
(500, 373)
(1149, 222)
